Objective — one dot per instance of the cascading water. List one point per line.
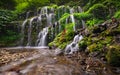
(22, 31)
(73, 21)
(42, 37)
(46, 19)
(30, 31)
(72, 47)
(83, 22)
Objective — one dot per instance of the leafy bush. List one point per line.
(64, 16)
(69, 27)
(22, 7)
(7, 32)
(6, 17)
(73, 3)
(117, 14)
(98, 11)
(92, 22)
(82, 15)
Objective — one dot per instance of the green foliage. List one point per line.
(22, 7)
(25, 5)
(82, 44)
(9, 39)
(98, 11)
(7, 4)
(113, 55)
(7, 33)
(62, 39)
(6, 17)
(69, 27)
(92, 22)
(117, 14)
(53, 6)
(92, 47)
(82, 15)
(64, 16)
(73, 3)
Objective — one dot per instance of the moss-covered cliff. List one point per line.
(104, 38)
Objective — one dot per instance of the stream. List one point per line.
(44, 62)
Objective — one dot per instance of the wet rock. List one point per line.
(103, 59)
(113, 55)
(92, 62)
(94, 54)
(10, 73)
(58, 51)
(87, 52)
(82, 62)
(90, 72)
(96, 30)
(116, 70)
(117, 39)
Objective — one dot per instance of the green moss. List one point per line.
(62, 39)
(113, 55)
(82, 44)
(64, 16)
(63, 45)
(92, 47)
(117, 14)
(111, 31)
(82, 15)
(92, 22)
(53, 6)
(107, 40)
(98, 11)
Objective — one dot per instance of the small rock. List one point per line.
(94, 54)
(58, 52)
(82, 62)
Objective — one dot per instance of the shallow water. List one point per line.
(43, 63)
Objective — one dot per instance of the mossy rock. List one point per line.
(97, 29)
(62, 40)
(113, 55)
(95, 47)
(82, 44)
(106, 40)
(63, 45)
(92, 48)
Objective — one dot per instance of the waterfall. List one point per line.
(30, 31)
(73, 21)
(71, 10)
(47, 17)
(42, 37)
(80, 11)
(44, 10)
(73, 46)
(22, 31)
(50, 17)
